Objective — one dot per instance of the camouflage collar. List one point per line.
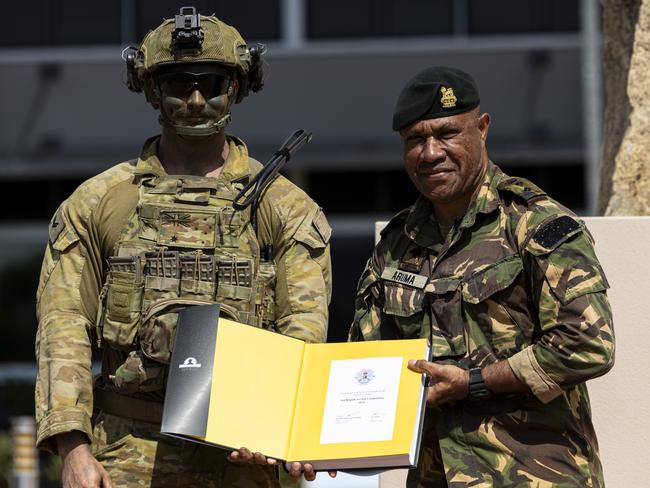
(235, 168)
(487, 199)
(418, 225)
(148, 163)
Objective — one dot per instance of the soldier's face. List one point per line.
(195, 95)
(446, 158)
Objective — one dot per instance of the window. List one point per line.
(517, 16)
(56, 23)
(378, 18)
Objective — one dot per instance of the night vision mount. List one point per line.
(187, 38)
(188, 35)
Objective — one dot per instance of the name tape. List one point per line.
(404, 277)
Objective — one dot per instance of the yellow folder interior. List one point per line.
(305, 441)
(270, 395)
(253, 389)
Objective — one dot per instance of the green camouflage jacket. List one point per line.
(91, 289)
(516, 279)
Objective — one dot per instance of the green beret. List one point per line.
(436, 92)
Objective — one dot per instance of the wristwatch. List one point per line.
(477, 389)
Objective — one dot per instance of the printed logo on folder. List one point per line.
(190, 363)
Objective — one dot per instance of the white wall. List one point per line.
(620, 400)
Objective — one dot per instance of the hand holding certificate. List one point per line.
(295, 470)
(331, 406)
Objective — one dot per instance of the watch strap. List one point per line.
(477, 388)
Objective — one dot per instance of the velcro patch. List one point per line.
(57, 225)
(552, 233)
(323, 228)
(404, 277)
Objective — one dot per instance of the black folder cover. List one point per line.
(187, 399)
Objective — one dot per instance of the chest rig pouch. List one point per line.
(185, 245)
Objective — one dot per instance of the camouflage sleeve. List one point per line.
(576, 341)
(300, 234)
(63, 353)
(67, 300)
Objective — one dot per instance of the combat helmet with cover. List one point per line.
(193, 38)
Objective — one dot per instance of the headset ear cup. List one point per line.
(256, 76)
(134, 84)
(137, 83)
(253, 80)
(133, 81)
(256, 71)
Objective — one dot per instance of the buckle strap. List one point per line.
(133, 408)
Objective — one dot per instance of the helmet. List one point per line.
(193, 38)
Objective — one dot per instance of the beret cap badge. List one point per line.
(447, 99)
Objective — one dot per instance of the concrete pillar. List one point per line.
(625, 175)
(592, 98)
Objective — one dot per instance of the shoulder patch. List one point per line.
(57, 225)
(521, 187)
(322, 226)
(398, 219)
(553, 232)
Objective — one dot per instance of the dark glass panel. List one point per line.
(57, 23)
(519, 16)
(378, 18)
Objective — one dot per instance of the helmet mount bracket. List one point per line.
(187, 37)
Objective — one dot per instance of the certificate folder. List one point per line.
(336, 406)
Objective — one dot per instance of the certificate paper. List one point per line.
(361, 400)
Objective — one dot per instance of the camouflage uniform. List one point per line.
(128, 248)
(516, 279)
